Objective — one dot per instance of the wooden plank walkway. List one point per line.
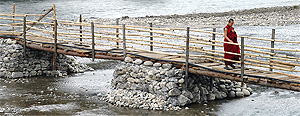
(198, 65)
(70, 38)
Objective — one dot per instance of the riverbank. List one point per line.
(271, 16)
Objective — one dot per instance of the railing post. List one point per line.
(151, 38)
(213, 38)
(54, 12)
(213, 42)
(93, 41)
(213, 50)
(13, 26)
(55, 46)
(272, 46)
(124, 42)
(24, 36)
(117, 31)
(54, 18)
(187, 55)
(80, 28)
(242, 61)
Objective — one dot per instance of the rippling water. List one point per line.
(70, 9)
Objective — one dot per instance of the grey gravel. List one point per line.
(271, 16)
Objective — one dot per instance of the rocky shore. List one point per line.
(271, 16)
(155, 86)
(13, 63)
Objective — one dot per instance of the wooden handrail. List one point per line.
(140, 35)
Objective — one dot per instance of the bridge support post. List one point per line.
(151, 38)
(55, 46)
(212, 48)
(80, 28)
(242, 61)
(93, 41)
(272, 46)
(24, 36)
(124, 42)
(187, 56)
(117, 31)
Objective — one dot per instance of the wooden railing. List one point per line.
(182, 42)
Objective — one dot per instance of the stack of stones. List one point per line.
(156, 86)
(13, 63)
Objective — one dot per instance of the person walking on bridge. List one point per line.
(230, 36)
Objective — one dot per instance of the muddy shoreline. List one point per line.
(270, 16)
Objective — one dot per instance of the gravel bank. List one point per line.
(271, 16)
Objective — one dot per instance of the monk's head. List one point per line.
(230, 22)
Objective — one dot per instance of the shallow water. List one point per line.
(70, 9)
(77, 95)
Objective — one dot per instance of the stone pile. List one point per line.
(155, 86)
(13, 63)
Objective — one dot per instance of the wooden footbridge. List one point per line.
(198, 51)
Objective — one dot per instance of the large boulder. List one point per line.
(174, 92)
(128, 59)
(183, 100)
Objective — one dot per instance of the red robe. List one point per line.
(229, 47)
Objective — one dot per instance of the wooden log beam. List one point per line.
(73, 53)
(40, 18)
(236, 78)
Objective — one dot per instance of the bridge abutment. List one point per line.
(156, 86)
(13, 63)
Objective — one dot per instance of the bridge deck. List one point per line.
(198, 65)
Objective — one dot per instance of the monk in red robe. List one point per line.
(230, 36)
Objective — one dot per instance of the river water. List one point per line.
(77, 94)
(70, 9)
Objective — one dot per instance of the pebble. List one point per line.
(239, 94)
(174, 92)
(138, 61)
(148, 63)
(246, 92)
(249, 89)
(157, 64)
(231, 94)
(167, 66)
(211, 97)
(181, 81)
(128, 60)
